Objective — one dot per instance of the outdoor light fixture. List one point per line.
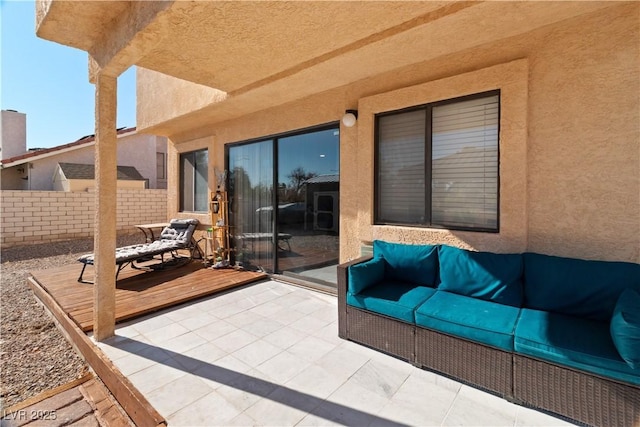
(349, 118)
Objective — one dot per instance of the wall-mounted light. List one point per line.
(349, 118)
(20, 170)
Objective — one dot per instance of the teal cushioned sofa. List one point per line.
(557, 334)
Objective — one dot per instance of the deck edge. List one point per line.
(132, 401)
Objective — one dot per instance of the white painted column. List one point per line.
(104, 246)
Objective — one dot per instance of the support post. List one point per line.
(104, 243)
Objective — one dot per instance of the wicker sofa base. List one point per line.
(381, 333)
(476, 364)
(580, 396)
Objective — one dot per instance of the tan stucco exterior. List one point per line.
(568, 72)
(570, 164)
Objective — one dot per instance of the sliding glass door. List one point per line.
(299, 237)
(251, 196)
(308, 196)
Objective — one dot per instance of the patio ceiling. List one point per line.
(225, 45)
(258, 54)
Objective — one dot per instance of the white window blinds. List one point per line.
(464, 177)
(401, 168)
(459, 139)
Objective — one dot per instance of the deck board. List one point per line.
(138, 292)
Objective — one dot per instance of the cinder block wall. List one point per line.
(28, 217)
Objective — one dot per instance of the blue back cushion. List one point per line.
(577, 287)
(416, 264)
(483, 275)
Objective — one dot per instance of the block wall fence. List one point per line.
(28, 217)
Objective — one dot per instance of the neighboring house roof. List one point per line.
(85, 141)
(323, 179)
(81, 171)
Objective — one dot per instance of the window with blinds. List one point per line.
(453, 146)
(194, 181)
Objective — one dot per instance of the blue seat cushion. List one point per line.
(625, 327)
(574, 342)
(394, 299)
(408, 263)
(365, 274)
(581, 288)
(484, 275)
(474, 319)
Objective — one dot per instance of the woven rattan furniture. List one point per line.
(573, 394)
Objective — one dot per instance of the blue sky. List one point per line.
(49, 82)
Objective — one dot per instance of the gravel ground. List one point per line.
(34, 355)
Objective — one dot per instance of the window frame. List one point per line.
(428, 108)
(161, 158)
(181, 198)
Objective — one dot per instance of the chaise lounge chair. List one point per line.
(177, 235)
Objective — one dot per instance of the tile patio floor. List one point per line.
(269, 354)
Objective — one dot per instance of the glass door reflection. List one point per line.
(308, 205)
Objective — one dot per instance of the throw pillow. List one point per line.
(625, 327)
(417, 264)
(365, 274)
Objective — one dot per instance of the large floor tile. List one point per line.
(358, 399)
(178, 394)
(211, 410)
(183, 343)
(246, 390)
(315, 381)
(133, 363)
(342, 362)
(151, 323)
(194, 358)
(221, 372)
(263, 327)
(311, 348)
(285, 337)
(267, 309)
(276, 359)
(215, 330)
(257, 352)
(282, 367)
(157, 375)
(165, 333)
(183, 312)
(199, 321)
(380, 378)
(475, 408)
(283, 407)
(235, 340)
(419, 401)
(244, 318)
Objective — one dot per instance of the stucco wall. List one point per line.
(44, 216)
(570, 137)
(13, 134)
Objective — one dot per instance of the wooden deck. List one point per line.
(137, 292)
